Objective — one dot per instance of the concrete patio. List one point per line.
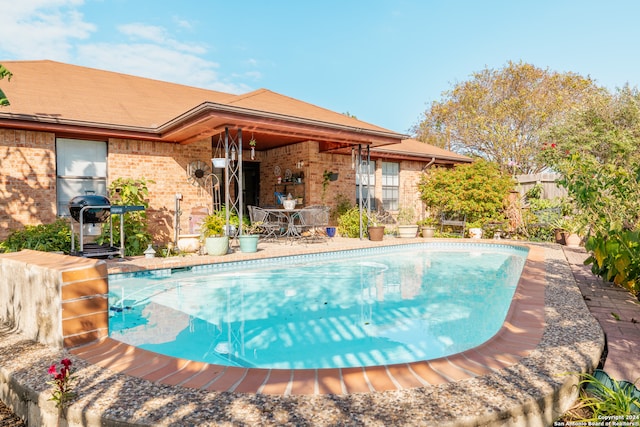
(601, 299)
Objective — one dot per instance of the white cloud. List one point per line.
(157, 62)
(182, 23)
(255, 75)
(42, 29)
(57, 30)
(158, 35)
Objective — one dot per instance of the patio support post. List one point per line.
(359, 172)
(233, 175)
(363, 179)
(227, 161)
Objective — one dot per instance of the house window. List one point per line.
(390, 185)
(81, 168)
(368, 177)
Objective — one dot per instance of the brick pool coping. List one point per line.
(518, 336)
(525, 375)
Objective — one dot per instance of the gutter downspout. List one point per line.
(428, 165)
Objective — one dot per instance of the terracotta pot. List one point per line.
(376, 233)
(572, 239)
(559, 236)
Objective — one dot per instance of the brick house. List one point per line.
(71, 129)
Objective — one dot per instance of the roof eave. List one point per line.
(229, 115)
(188, 127)
(55, 125)
(405, 155)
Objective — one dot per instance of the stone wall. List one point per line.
(57, 300)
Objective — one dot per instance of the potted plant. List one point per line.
(249, 238)
(375, 227)
(215, 240)
(570, 229)
(252, 145)
(428, 226)
(406, 226)
(327, 176)
(475, 230)
(573, 229)
(558, 226)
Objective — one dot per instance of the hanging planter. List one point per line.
(219, 162)
(252, 144)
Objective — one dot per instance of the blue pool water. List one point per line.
(342, 309)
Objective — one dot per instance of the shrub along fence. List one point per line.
(550, 188)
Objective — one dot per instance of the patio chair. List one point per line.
(312, 222)
(455, 221)
(272, 223)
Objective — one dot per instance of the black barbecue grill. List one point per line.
(98, 214)
(94, 209)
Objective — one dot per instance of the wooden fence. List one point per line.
(550, 190)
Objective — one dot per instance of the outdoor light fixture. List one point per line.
(300, 164)
(233, 154)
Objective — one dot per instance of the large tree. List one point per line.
(597, 151)
(4, 73)
(501, 115)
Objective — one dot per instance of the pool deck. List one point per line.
(520, 334)
(519, 377)
(618, 313)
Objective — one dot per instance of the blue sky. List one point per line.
(383, 61)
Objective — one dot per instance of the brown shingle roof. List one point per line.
(266, 100)
(418, 150)
(64, 91)
(49, 91)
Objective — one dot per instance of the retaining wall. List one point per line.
(57, 300)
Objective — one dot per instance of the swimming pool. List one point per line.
(355, 308)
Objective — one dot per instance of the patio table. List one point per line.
(291, 231)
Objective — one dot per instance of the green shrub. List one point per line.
(44, 237)
(478, 190)
(349, 223)
(133, 192)
(343, 204)
(605, 399)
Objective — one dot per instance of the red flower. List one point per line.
(66, 363)
(52, 369)
(553, 145)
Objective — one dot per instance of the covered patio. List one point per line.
(113, 126)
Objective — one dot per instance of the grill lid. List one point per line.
(91, 215)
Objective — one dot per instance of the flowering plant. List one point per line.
(62, 383)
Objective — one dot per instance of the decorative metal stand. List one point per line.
(363, 182)
(233, 179)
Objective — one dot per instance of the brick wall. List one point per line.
(27, 179)
(315, 164)
(165, 164)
